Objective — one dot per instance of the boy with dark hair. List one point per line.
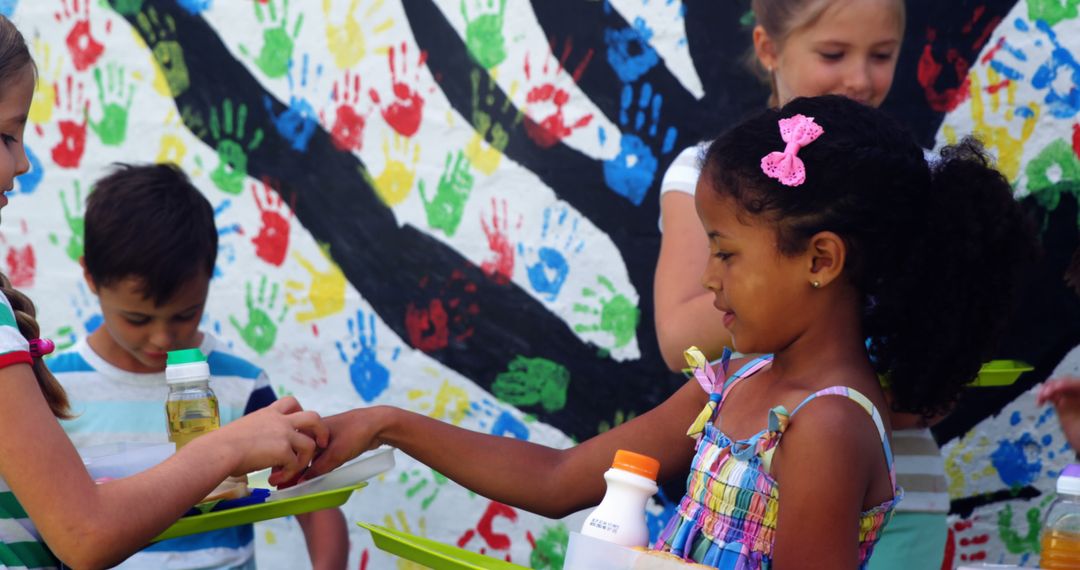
(150, 249)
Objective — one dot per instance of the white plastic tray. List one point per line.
(364, 467)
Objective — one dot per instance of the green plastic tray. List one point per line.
(260, 512)
(1001, 372)
(431, 553)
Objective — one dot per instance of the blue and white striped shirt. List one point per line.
(113, 405)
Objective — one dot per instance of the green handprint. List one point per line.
(160, 35)
(277, 48)
(484, 32)
(531, 381)
(112, 128)
(492, 122)
(261, 329)
(418, 482)
(1052, 11)
(444, 211)
(232, 156)
(618, 315)
(621, 418)
(1013, 541)
(1058, 157)
(126, 7)
(550, 550)
(76, 222)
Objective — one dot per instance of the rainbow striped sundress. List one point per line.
(727, 519)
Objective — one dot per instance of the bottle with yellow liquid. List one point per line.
(191, 407)
(1061, 526)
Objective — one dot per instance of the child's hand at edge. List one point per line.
(351, 433)
(1064, 394)
(281, 435)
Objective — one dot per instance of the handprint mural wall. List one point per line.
(451, 206)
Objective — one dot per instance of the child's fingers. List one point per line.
(1057, 388)
(328, 460)
(304, 447)
(287, 405)
(311, 424)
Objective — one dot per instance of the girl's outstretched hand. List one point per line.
(351, 433)
(281, 435)
(1064, 394)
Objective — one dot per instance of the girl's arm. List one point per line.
(326, 537)
(94, 526)
(685, 315)
(543, 480)
(829, 461)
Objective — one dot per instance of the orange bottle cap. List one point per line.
(636, 463)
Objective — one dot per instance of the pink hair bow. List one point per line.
(786, 166)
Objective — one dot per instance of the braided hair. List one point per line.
(14, 60)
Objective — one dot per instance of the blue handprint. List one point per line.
(1058, 75)
(368, 375)
(559, 236)
(628, 50)
(226, 250)
(87, 310)
(498, 421)
(195, 7)
(32, 179)
(7, 7)
(1020, 462)
(299, 121)
(631, 173)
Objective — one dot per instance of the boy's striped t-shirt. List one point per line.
(111, 405)
(20, 543)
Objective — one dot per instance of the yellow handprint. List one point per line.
(172, 149)
(396, 180)
(326, 294)
(41, 109)
(451, 402)
(388, 522)
(348, 43)
(999, 138)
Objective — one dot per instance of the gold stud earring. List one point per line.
(815, 284)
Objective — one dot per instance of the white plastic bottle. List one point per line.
(1061, 524)
(620, 517)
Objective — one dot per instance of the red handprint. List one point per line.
(1076, 140)
(21, 264)
(546, 100)
(501, 268)
(272, 241)
(72, 104)
(438, 317)
(929, 68)
(960, 547)
(404, 112)
(85, 50)
(349, 119)
(427, 326)
(485, 527)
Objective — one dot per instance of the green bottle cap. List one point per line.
(186, 356)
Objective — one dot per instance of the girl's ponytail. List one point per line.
(943, 311)
(25, 314)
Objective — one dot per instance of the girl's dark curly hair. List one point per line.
(935, 249)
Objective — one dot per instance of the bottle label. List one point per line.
(606, 526)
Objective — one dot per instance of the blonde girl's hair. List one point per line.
(15, 59)
(780, 18)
